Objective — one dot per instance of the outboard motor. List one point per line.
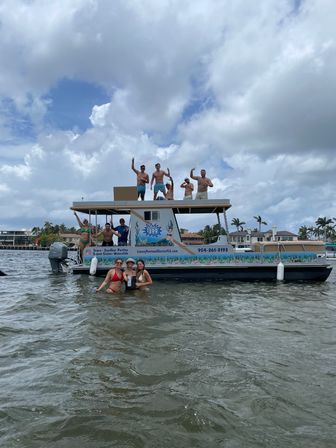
(58, 253)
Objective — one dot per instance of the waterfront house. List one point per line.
(246, 238)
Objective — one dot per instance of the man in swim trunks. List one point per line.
(142, 180)
(158, 177)
(188, 188)
(202, 184)
(170, 189)
(108, 233)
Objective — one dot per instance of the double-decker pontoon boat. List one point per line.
(155, 237)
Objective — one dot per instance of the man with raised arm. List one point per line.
(158, 177)
(202, 184)
(108, 233)
(188, 188)
(142, 180)
(170, 189)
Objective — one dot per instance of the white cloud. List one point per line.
(243, 89)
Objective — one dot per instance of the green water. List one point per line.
(183, 365)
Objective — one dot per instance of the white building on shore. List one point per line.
(245, 238)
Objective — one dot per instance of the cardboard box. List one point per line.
(125, 193)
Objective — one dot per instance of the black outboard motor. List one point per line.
(58, 253)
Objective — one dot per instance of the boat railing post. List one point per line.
(226, 224)
(219, 225)
(90, 233)
(96, 237)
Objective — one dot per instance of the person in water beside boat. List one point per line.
(188, 188)
(139, 279)
(158, 176)
(123, 230)
(108, 233)
(113, 279)
(142, 180)
(85, 231)
(130, 274)
(170, 190)
(202, 184)
(143, 279)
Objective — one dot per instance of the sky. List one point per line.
(243, 89)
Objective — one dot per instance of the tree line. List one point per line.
(324, 228)
(49, 233)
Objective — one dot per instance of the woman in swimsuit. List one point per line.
(85, 232)
(129, 274)
(114, 278)
(143, 279)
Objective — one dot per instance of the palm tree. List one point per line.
(237, 223)
(36, 231)
(260, 221)
(303, 233)
(323, 223)
(62, 228)
(48, 227)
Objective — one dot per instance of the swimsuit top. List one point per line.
(116, 278)
(141, 278)
(85, 230)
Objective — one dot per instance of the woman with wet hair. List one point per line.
(143, 279)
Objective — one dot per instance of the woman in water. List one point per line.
(143, 279)
(85, 231)
(114, 278)
(129, 274)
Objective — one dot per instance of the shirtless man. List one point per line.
(202, 184)
(188, 188)
(170, 189)
(158, 177)
(108, 233)
(142, 180)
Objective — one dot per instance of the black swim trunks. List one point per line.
(107, 243)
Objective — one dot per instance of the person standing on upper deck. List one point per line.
(188, 188)
(170, 189)
(142, 180)
(158, 177)
(202, 184)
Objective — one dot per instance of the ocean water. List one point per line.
(183, 365)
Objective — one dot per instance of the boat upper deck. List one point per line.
(126, 207)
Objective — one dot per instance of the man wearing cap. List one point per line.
(108, 233)
(142, 180)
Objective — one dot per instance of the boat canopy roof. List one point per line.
(126, 207)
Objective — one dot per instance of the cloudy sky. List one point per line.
(239, 87)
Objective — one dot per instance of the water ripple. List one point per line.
(234, 365)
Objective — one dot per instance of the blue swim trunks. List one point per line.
(159, 187)
(141, 188)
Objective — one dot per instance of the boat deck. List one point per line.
(126, 207)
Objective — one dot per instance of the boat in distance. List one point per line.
(154, 237)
